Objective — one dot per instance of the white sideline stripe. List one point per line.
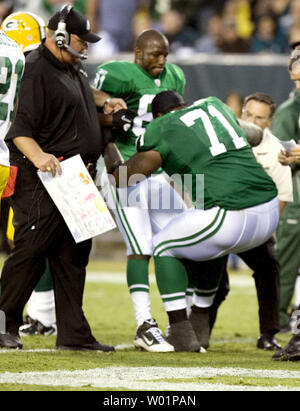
(119, 347)
(141, 378)
(117, 277)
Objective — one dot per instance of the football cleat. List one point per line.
(291, 352)
(183, 337)
(200, 323)
(34, 327)
(149, 337)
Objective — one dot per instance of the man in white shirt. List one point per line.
(259, 109)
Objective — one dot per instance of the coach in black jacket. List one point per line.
(57, 117)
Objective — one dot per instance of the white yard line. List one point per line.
(143, 378)
(119, 347)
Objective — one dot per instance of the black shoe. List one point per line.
(35, 327)
(149, 338)
(94, 346)
(291, 352)
(268, 343)
(182, 337)
(199, 319)
(8, 340)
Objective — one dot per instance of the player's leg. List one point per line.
(263, 261)
(288, 243)
(41, 305)
(208, 276)
(40, 319)
(218, 232)
(130, 208)
(166, 203)
(221, 294)
(171, 272)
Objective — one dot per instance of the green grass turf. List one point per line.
(109, 311)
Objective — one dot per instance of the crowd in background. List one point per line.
(208, 26)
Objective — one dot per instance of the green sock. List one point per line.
(137, 275)
(172, 282)
(45, 283)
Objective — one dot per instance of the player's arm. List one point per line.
(254, 133)
(109, 104)
(141, 165)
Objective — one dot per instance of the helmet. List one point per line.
(26, 29)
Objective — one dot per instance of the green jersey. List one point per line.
(286, 126)
(138, 88)
(205, 139)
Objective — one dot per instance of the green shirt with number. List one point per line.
(205, 139)
(129, 81)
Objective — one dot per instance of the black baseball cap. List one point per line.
(77, 24)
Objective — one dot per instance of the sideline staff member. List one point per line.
(57, 117)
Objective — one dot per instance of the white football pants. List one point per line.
(142, 210)
(207, 234)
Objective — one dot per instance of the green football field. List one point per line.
(231, 363)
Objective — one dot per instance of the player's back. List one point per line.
(205, 139)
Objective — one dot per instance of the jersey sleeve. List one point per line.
(152, 139)
(114, 78)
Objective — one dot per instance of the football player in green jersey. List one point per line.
(239, 210)
(137, 83)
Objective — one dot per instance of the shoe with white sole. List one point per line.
(149, 337)
(35, 327)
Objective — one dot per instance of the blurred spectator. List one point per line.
(260, 7)
(46, 8)
(294, 36)
(181, 38)
(5, 8)
(112, 19)
(52, 6)
(290, 16)
(205, 12)
(240, 12)
(140, 22)
(197, 12)
(230, 41)
(280, 10)
(268, 38)
(234, 100)
(208, 42)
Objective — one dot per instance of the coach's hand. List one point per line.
(47, 162)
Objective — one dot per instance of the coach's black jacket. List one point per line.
(57, 109)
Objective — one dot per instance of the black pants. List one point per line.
(41, 233)
(263, 261)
